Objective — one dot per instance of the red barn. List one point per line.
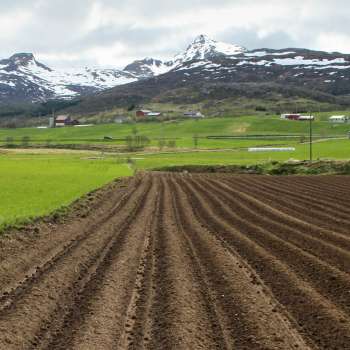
(65, 120)
(291, 116)
(143, 113)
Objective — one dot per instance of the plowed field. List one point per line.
(181, 261)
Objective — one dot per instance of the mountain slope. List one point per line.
(23, 78)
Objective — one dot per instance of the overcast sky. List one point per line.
(112, 33)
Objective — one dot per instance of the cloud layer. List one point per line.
(112, 33)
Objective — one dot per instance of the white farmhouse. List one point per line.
(338, 119)
(306, 117)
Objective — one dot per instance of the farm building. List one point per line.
(65, 120)
(297, 117)
(306, 117)
(147, 113)
(338, 119)
(142, 113)
(290, 116)
(193, 114)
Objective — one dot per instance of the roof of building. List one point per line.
(193, 114)
(62, 118)
(306, 117)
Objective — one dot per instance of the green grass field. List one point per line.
(182, 131)
(35, 185)
(330, 149)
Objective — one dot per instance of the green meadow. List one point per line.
(36, 185)
(327, 149)
(182, 131)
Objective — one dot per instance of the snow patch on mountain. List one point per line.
(265, 53)
(203, 47)
(337, 63)
(300, 60)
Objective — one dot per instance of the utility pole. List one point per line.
(310, 134)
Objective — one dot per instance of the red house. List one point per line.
(143, 113)
(65, 120)
(291, 116)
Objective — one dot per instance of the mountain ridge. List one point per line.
(206, 64)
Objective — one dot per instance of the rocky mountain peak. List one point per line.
(22, 59)
(202, 39)
(146, 68)
(204, 47)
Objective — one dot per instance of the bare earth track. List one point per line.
(181, 261)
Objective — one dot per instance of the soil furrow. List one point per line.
(180, 314)
(329, 193)
(97, 310)
(302, 208)
(15, 287)
(138, 323)
(327, 232)
(251, 316)
(220, 325)
(324, 244)
(184, 261)
(318, 319)
(334, 284)
(47, 299)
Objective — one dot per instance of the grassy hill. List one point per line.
(183, 131)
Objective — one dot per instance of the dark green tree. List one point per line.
(195, 141)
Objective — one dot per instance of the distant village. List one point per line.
(146, 114)
(140, 114)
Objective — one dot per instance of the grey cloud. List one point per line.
(56, 28)
(250, 39)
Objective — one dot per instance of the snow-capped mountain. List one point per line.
(264, 74)
(23, 78)
(148, 67)
(202, 48)
(205, 48)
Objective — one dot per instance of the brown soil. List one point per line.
(182, 261)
